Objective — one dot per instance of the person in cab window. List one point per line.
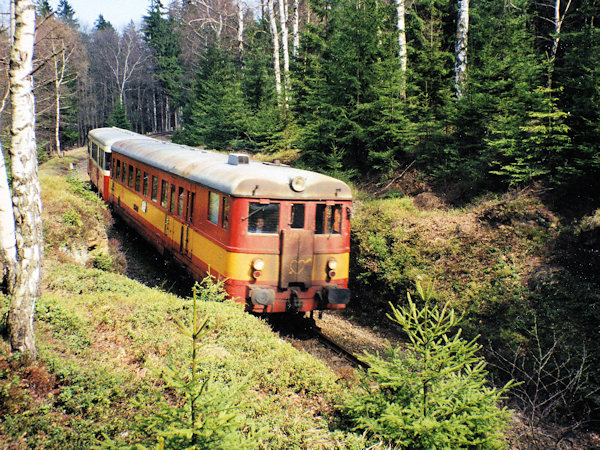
(258, 226)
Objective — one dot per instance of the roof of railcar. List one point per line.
(211, 169)
(109, 135)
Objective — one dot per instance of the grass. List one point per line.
(103, 340)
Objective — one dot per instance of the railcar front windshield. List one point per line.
(263, 219)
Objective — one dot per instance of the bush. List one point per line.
(434, 393)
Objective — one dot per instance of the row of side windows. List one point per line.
(98, 155)
(172, 197)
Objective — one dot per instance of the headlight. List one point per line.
(332, 264)
(298, 183)
(258, 264)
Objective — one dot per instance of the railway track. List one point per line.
(340, 350)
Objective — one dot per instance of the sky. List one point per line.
(117, 12)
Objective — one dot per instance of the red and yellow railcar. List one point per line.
(279, 236)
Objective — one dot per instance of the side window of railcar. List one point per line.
(297, 219)
(94, 151)
(164, 186)
(263, 218)
(145, 185)
(138, 179)
(191, 198)
(101, 158)
(180, 202)
(118, 170)
(154, 188)
(328, 219)
(124, 173)
(173, 199)
(225, 213)
(130, 176)
(213, 207)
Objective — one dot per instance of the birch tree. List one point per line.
(460, 64)
(275, 35)
(283, 16)
(557, 23)
(402, 53)
(295, 27)
(26, 198)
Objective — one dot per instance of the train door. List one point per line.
(297, 248)
(186, 237)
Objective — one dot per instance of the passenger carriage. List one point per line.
(279, 236)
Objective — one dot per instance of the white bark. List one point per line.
(240, 35)
(402, 53)
(283, 16)
(275, 34)
(295, 28)
(27, 205)
(8, 243)
(460, 64)
(558, 21)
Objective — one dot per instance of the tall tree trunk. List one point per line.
(240, 34)
(558, 21)
(402, 53)
(8, 243)
(295, 28)
(460, 64)
(283, 16)
(25, 183)
(275, 35)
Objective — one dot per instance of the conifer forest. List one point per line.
(493, 105)
(489, 93)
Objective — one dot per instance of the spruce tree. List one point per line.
(43, 8)
(432, 392)
(65, 11)
(102, 24)
(118, 118)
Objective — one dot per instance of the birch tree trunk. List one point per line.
(558, 21)
(460, 64)
(240, 31)
(402, 53)
(275, 35)
(27, 205)
(8, 249)
(283, 16)
(295, 28)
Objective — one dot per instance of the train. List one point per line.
(278, 236)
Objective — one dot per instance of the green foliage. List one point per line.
(118, 118)
(102, 261)
(385, 258)
(81, 188)
(209, 414)
(349, 100)
(433, 393)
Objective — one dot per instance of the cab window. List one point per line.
(107, 157)
(328, 219)
(263, 218)
(297, 219)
